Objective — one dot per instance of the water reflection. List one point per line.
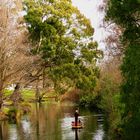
(76, 134)
(53, 122)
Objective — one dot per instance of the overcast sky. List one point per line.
(90, 9)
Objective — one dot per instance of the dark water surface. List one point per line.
(53, 122)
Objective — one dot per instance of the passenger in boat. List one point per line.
(79, 122)
(76, 114)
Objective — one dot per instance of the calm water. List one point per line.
(53, 122)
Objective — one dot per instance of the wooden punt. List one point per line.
(78, 126)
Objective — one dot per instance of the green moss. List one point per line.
(6, 110)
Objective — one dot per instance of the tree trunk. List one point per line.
(1, 94)
(43, 84)
(37, 91)
(16, 96)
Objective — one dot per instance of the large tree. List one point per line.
(16, 61)
(114, 48)
(126, 13)
(63, 37)
(11, 44)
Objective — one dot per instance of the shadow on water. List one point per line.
(53, 122)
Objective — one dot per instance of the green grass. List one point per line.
(28, 94)
(7, 92)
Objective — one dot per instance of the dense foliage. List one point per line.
(63, 38)
(126, 13)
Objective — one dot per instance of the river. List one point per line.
(53, 122)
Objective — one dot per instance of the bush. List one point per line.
(90, 100)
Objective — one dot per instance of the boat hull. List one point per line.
(78, 126)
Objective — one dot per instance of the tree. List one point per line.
(11, 39)
(15, 59)
(114, 48)
(126, 14)
(62, 36)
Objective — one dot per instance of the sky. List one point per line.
(90, 9)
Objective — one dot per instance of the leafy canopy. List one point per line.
(63, 38)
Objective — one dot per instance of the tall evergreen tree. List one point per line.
(126, 13)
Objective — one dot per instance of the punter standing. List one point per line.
(76, 114)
